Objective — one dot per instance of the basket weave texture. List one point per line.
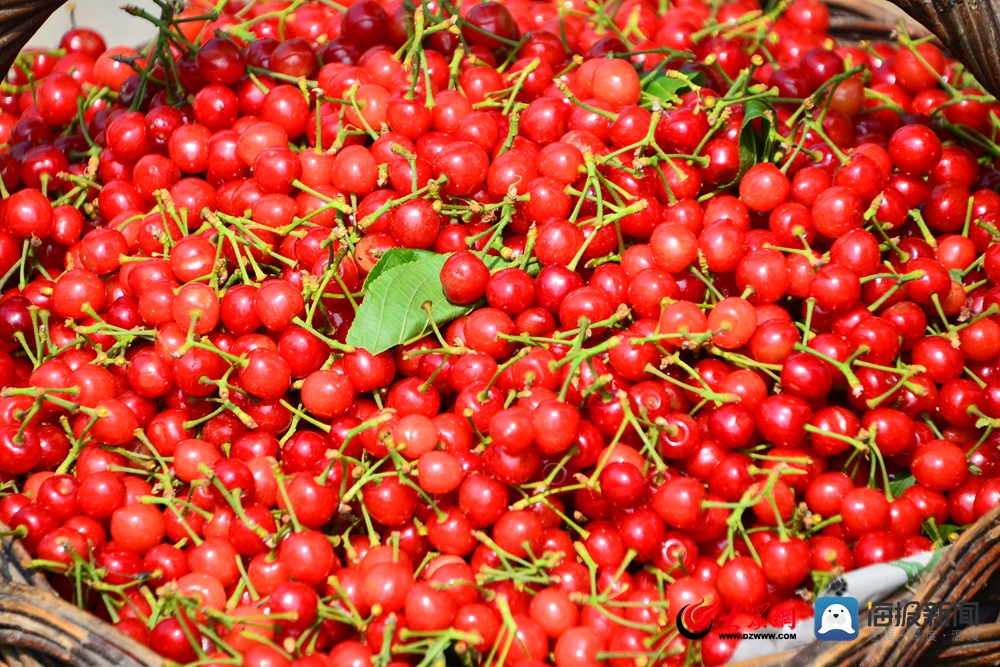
(37, 628)
(969, 571)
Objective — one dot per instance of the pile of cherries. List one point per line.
(733, 321)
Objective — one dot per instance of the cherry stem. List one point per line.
(852, 379)
(18, 533)
(705, 393)
(823, 524)
(283, 489)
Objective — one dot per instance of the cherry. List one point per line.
(489, 23)
(220, 61)
(390, 502)
(57, 99)
(916, 73)
(678, 502)
(617, 83)
(307, 556)
(939, 465)
(863, 510)
(19, 450)
(294, 57)
(764, 187)
(742, 580)
(877, 547)
(29, 214)
(465, 165)
(170, 638)
(788, 562)
(58, 494)
(464, 278)
(914, 149)
(137, 527)
(414, 224)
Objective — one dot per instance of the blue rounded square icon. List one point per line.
(836, 619)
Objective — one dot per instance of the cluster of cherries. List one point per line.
(732, 329)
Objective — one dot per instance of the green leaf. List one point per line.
(667, 88)
(756, 109)
(939, 534)
(904, 480)
(392, 312)
(949, 528)
(396, 288)
(755, 145)
(395, 257)
(453, 658)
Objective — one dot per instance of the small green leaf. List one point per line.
(666, 88)
(904, 480)
(755, 109)
(755, 145)
(396, 257)
(396, 289)
(453, 658)
(949, 528)
(392, 312)
(939, 534)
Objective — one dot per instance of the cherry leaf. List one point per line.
(392, 312)
(904, 480)
(668, 88)
(755, 145)
(394, 257)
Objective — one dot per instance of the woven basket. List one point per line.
(37, 628)
(876, 20)
(968, 572)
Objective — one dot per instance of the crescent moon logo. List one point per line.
(694, 624)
